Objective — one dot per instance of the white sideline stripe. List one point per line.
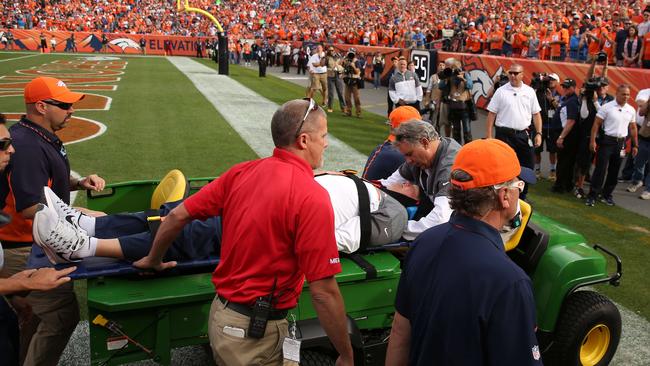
(250, 114)
(18, 58)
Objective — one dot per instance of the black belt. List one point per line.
(248, 310)
(614, 138)
(16, 244)
(510, 130)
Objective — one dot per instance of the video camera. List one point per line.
(601, 57)
(448, 72)
(503, 80)
(540, 81)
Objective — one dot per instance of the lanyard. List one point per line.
(56, 144)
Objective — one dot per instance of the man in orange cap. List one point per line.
(480, 309)
(385, 158)
(41, 160)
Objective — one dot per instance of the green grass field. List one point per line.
(159, 121)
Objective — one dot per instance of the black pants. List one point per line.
(286, 62)
(608, 162)
(262, 67)
(390, 104)
(521, 143)
(566, 162)
(9, 346)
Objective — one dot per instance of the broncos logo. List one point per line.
(125, 43)
(482, 83)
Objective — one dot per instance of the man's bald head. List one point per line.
(286, 120)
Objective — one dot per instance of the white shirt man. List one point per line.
(616, 118)
(514, 106)
(641, 97)
(404, 87)
(315, 59)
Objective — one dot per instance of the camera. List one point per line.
(352, 53)
(592, 84)
(540, 81)
(601, 57)
(448, 72)
(503, 80)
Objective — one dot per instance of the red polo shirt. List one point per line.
(277, 223)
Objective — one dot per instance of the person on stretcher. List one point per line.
(68, 235)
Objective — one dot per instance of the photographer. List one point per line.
(548, 98)
(432, 100)
(334, 82)
(587, 114)
(352, 78)
(456, 93)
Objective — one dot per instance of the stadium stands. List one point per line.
(403, 24)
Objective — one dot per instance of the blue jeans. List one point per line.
(376, 79)
(640, 161)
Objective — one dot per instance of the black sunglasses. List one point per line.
(5, 143)
(515, 73)
(62, 105)
(312, 107)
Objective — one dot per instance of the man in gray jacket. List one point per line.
(428, 164)
(404, 87)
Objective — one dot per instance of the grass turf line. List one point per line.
(361, 134)
(609, 226)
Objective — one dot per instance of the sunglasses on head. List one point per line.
(312, 107)
(5, 143)
(62, 105)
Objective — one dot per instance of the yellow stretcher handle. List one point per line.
(100, 320)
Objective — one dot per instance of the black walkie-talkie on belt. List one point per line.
(261, 311)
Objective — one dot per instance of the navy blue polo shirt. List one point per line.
(40, 160)
(382, 162)
(467, 302)
(569, 109)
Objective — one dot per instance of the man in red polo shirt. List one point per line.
(275, 235)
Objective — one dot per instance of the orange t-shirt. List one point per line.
(555, 48)
(473, 40)
(646, 47)
(594, 46)
(496, 45)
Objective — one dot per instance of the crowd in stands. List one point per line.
(556, 29)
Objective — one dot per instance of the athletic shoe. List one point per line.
(551, 176)
(330, 110)
(634, 186)
(645, 195)
(590, 202)
(579, 193)
(58, 239)
(609, 201)
(64, 211)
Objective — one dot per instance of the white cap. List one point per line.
(554, 77)
(471, 24)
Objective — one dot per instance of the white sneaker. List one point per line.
(645, 195)
(58, 238)
(63, 210)
(634, 186)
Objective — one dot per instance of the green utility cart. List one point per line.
(576, 326)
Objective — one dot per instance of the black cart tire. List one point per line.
(315, 358)
(587, 332)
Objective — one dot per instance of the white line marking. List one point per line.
(250, 114)
(18, 58)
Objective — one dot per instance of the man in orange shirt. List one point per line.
(473, 42)
(644, 60)
(556, 42)
(495, 39)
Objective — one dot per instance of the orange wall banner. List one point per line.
(29, 40)
(483, 67)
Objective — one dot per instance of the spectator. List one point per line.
(378, 63)
(404, 87)
(574, 46)
(644, 59)
(644, 27)
(631, 48)
(533, 45)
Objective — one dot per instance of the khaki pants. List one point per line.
(229, 350)
(352, 91)
(55, 316)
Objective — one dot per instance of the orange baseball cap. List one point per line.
(399, 115)
(45, 87)
(489, 162)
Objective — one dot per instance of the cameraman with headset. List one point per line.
(456, 94)
(548, 98)
(351, 78)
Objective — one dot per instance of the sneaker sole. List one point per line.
(52, 256)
